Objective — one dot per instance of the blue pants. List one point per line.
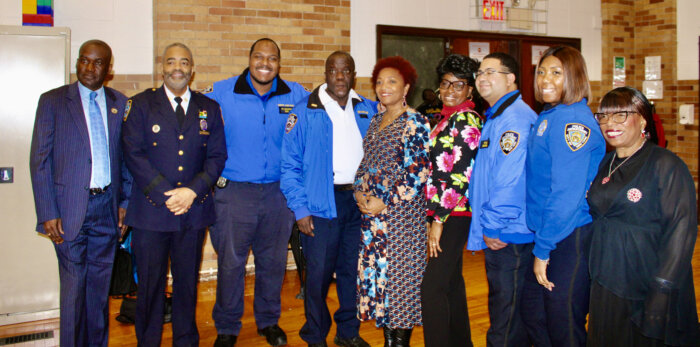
(558, 318)
(249, 216)
(505, 272)
(152, 250)
(85, 270)
(334, 248)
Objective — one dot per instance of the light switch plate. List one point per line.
(686, 114)
(7, 174)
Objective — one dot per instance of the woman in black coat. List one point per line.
(644, 230)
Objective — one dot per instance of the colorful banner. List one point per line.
(37, 12)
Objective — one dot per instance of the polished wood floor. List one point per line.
(293, 313)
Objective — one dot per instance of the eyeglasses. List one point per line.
(489, 72)
(457, 85)
(616, 117)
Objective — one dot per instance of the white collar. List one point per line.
(171, 96)
(327, 99)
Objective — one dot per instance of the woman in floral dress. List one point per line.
(389, 190)
(453, 145)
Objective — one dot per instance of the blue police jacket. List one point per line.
(307, 155)
(254, 126)
(162, 155)
(497, 187)
(564, 150)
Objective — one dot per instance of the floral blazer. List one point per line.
(453, 146)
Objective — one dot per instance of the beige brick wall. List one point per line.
(635, 29)
(220, 33)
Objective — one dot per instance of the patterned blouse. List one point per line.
(453, 146)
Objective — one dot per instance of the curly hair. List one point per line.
(406, 70)
(460, 66)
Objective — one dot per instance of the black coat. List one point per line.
(162, 156)
(644, 232)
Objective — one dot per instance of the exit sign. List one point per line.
(493, 10)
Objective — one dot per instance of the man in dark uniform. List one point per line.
(174, 144)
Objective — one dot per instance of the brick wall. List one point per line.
(635, 29)
(220, 33)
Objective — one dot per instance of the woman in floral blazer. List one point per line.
(453, 145)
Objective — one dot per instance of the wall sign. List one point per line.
(493, 10)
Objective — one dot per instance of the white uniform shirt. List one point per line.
(347, 140)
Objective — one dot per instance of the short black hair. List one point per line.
(630, 99)
(96, 43)
(279, 52)
(345, 54)
(508, 62)
(459, 65)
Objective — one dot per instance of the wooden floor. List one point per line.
(293, 313)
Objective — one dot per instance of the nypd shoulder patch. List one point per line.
(291, 122)
(576, 135)
(509, 141)
(542, 128)
(127, 109)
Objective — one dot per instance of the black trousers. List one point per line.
(505, 272)
(443, 295)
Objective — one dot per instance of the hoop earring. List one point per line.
(404, 101)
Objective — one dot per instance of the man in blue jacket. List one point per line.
(321, 152)
(498, 197)
(251, 212)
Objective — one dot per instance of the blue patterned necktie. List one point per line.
(98, 143)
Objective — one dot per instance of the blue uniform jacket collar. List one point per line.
(242, 86)
(549, 107)
(315, 100)
(501, 105)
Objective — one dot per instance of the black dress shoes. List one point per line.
(356, 341)
(225, 341)
(274, 335)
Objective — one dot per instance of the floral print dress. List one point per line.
(453, 146)
(395, 168)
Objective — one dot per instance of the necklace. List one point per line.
(611, 170)
(387, 120)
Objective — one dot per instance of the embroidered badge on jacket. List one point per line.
(576, 135)
(291, 122)
(542, 128)
(127, 109)
(509, 141)
(634, 195)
